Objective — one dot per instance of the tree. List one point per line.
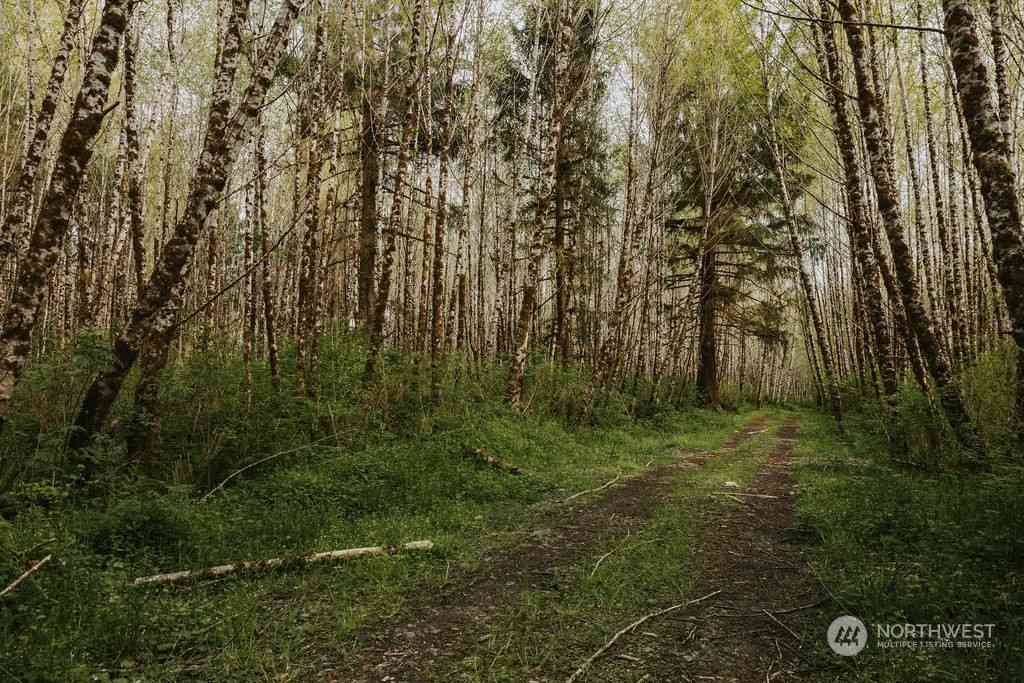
(872, 115)
(73, 157)
(155, 314)
(991, 158)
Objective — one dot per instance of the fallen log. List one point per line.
(29, 572)
(485, 458)
(259, 565)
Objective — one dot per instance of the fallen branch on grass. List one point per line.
(732, 497)
(746, 495)
(590, 660)
(29, 572)
(234, 474)
(599, 488)
(605, 556)
(332, 556)
(485, 458)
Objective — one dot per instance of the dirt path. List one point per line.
(442, 627)
(754, 630)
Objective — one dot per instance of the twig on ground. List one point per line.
(745, 495)
(29, 572)
(786, 628)
(605, 556)
(331, 556)
(500, 653)
(590, 660)
(234, 474)
(790, 610)
(598, 563)
(599, 488)
(731, 497)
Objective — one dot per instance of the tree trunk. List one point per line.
(857, 225)
(707, 347)
(266, 280)
(12, 232)
(545, 182)
(879, 154)
(133, 170)
(992, 161)
(830, 385)
(395, 219)
(440, 225)
(155, 314)
(308, 305)
(370, 168)
(73, 157)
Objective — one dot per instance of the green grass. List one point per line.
(897, 545)
(545, 632)
(78, 618)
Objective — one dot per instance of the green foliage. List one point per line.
(899, 546)
(137, 525)
(921, 436)
(358, 465)
(990, 399)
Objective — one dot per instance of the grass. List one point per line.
(382, 466)
(79, 621)
(546, 633)
(898, 545)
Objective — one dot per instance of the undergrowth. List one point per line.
(897, 545)
(358, 465)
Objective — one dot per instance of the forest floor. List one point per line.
(518, 614)
(760, 526)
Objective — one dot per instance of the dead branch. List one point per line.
(590, 660)
(746, 495)
(784, 627)
(790, 610)
(29, 572)
(237, 472)
(331, 556)
(605, 556)
(599, 488)
(732, 497)
(599, 561)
